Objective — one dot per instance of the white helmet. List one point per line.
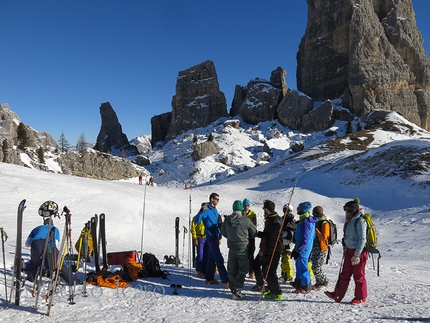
(287, 206)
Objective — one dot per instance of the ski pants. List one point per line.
(251, 251)
(261, 267)
(215, 259)
(317, 258)
(202, 255)
(303, 274)
(358, 273)
(237, 267)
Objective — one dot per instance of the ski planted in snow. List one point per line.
(177, 241)
(94, 238)
(3, 240)
(16, 281)
(102, 237)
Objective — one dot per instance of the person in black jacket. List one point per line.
(264, 263)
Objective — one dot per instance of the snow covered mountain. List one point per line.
(386, 167)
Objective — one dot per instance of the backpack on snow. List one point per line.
(152, 266)
(371, 239)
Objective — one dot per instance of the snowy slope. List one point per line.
(400, 206)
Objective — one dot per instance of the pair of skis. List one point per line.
(100, 241)
(177, 232)
(17, 264)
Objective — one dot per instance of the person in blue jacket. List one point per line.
(305, 234)
(212, 223)
(36, 241)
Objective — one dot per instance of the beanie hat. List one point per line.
(305, 207)
(237, 206)
(246, 203)
(318, 210)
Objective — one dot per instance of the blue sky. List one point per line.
(59, 60)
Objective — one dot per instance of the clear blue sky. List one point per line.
(60, 59)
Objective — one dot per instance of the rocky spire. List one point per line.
(368, 51)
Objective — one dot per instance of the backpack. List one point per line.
(152, 266)
(332, 238)
(371, 238)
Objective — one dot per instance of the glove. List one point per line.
(355, 260)
(196, 242)
(295, 254)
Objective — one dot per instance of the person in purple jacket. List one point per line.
(305, 234)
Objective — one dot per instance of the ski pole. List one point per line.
(3, 240)
(190, 245)
(143, 224)
(183, 244)
(274, 249)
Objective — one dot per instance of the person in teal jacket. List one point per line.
(305, 234)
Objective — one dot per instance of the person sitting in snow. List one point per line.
(36, 241)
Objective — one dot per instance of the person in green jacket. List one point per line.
(237, 228)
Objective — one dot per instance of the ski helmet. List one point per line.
(49, 208)
(288, 206)
(246, 203)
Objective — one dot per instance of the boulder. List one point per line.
(318, 119)
(205, 149)
(292, 108)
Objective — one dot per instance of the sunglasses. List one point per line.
(215, 198)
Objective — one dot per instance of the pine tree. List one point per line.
(349, 127)
(82, 141)
(40, 155)
(62, 142)
(195, 138)
(22, 136)
(211, 137)
(359, 128)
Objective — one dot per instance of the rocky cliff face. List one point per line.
(369, 51)
(9, 122)
(198, 100)
(259, 99)
(111, 138)
(98, 165)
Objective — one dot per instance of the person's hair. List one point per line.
(351, 206)
(267, 204)
(213, 195)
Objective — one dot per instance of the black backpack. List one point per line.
(152, 266)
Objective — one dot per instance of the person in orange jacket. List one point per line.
(320, 247)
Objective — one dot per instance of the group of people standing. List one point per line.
(305, 240)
